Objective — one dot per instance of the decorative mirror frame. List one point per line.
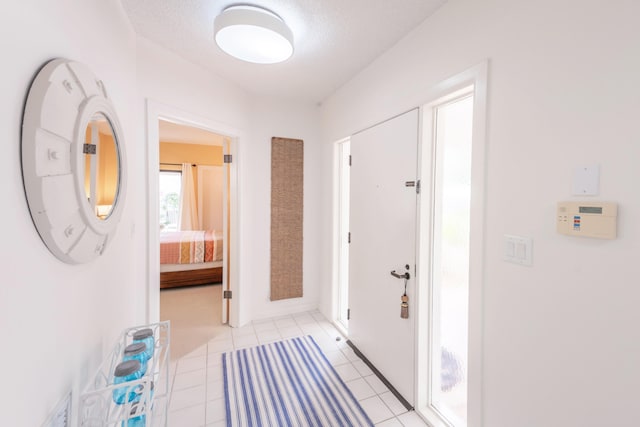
(62, 100)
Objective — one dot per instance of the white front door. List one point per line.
(383, 238)
(212, 194)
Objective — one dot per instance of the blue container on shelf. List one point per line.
(139, 421)
(137, 351)
(127, 371)
(145, 336)
(136, 420)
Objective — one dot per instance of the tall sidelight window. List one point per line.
(444, 358)
(451, 251)
(169, 184)
(450, 259)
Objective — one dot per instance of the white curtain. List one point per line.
(210, 205)
(188, 202)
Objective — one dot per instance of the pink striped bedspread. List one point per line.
(189, 247)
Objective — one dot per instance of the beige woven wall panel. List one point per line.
(287, 179)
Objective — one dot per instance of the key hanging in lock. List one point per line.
(404, 305)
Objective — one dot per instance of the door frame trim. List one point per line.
(156, 111)
(337, 237)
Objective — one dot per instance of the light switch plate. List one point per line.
(518, 249)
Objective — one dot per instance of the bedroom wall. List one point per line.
(107, 178)
(561, 342)
(174, 152)
(107, 170)
(168, 79)
(58, 320)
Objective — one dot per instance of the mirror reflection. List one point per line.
(101, 177)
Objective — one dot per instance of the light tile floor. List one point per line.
(197, 397)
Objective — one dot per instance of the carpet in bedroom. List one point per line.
(195, 315)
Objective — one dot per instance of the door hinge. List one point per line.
(415, 184)
(228, 158)
(348, 314)
(226, 295)
(89, 148)
(349, 159)
(349, 237)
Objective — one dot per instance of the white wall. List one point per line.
(189, 91)
(561, 338)
(58, 320)
(166, 78)
(169, 79)
(280, 118)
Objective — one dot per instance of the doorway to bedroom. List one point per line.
(192, 191)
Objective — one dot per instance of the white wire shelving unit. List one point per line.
(97, 407)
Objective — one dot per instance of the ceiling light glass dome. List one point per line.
(253, 34)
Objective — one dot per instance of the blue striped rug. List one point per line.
(287, 383)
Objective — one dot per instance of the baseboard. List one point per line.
(287, 308)
(378, 374)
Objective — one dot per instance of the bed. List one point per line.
(190, 258)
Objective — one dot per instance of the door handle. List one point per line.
(405, 276)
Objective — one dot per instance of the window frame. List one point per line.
(446, 91)
(167, 171)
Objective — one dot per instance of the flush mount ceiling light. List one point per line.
(253, 34)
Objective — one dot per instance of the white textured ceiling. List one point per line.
(334, 39)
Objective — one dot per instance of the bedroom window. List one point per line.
(170, 183)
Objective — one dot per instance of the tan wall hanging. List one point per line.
(287, 179)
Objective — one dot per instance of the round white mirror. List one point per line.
(72, 161)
